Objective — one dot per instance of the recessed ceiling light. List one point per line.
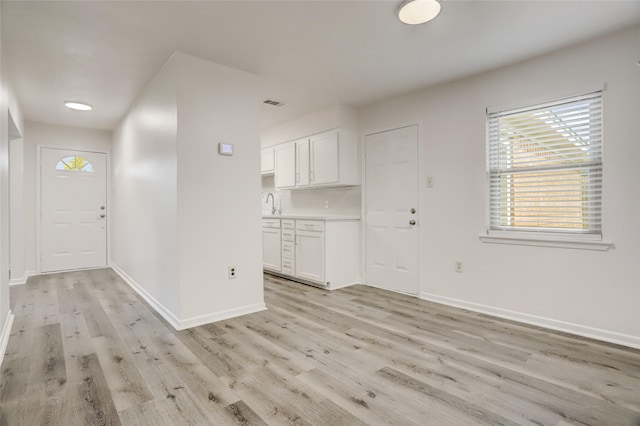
(78, 106)
(415, 12)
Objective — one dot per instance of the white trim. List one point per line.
(38, 211)
(561, 241)
(547, 98)
(553, 324)
(156, 305)
(23, 279)
(222, 315)
(4, 337)
(176, 322)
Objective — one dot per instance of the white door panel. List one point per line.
(302, 163)
(391, 175)
(310, 256)
(271, 249)
(73, 202)
(325, 158)
(285, 167)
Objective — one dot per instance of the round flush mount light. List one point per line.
(78, 106)
(414, 12)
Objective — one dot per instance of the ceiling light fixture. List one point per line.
(415, 12)
(78, 106)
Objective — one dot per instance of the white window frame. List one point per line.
(566, 239)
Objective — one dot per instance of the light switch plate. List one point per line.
(225, 149)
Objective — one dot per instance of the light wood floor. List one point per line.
(86, 350)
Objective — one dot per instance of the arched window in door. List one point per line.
(74, 163)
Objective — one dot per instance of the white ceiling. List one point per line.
(310, 54)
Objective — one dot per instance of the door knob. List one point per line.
(413, 211)
(412, 222)
(102, 216)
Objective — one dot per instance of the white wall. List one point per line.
(16, 211)
(336, 116)
(587, 292)
(144, 212)
(182, 213)
(218, 196)
(11, 127)
(48, 135)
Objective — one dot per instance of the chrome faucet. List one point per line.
(273, 203)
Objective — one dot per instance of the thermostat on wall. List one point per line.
(225, 149)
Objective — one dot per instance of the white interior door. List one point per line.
(391, 217)
(73, 208)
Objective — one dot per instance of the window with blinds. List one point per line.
(545, 167)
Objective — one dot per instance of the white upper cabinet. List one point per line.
(285, 170)
(326, 159)
(268, 161)
(302, 163)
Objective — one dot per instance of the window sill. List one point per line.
(548, 241)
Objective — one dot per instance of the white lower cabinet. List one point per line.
(320, 252)
(271, 245)
(310, 256)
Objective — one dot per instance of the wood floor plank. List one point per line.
(469, 413)
(371, 404)
(97, 406)
(244, 415)
(47, 356)
(281, 399)
(127, 386)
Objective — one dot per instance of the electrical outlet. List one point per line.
(326, 204)
(458, 267)
(429, 181)
(232, 272)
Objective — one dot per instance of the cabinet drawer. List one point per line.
(271, 223)
(287, 263)
(287, 270)
(288, 235)
(288, 224)
(288, 249)
(310, 225)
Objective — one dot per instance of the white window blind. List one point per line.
(545, 167)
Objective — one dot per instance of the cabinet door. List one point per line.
(310, 256)
(271, 249)
(302, 162)
(324, 158)
(285, 165)
(267, 163)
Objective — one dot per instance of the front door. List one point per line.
(73, 207)
(391, 177)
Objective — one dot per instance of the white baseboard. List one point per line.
(4, 337)
(176, 322)
(567, 327)
(223, 315)
(23, 279)
(159, 307)
(336, 287)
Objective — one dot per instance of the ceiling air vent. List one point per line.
(273, 103)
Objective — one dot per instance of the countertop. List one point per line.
(311, 216)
